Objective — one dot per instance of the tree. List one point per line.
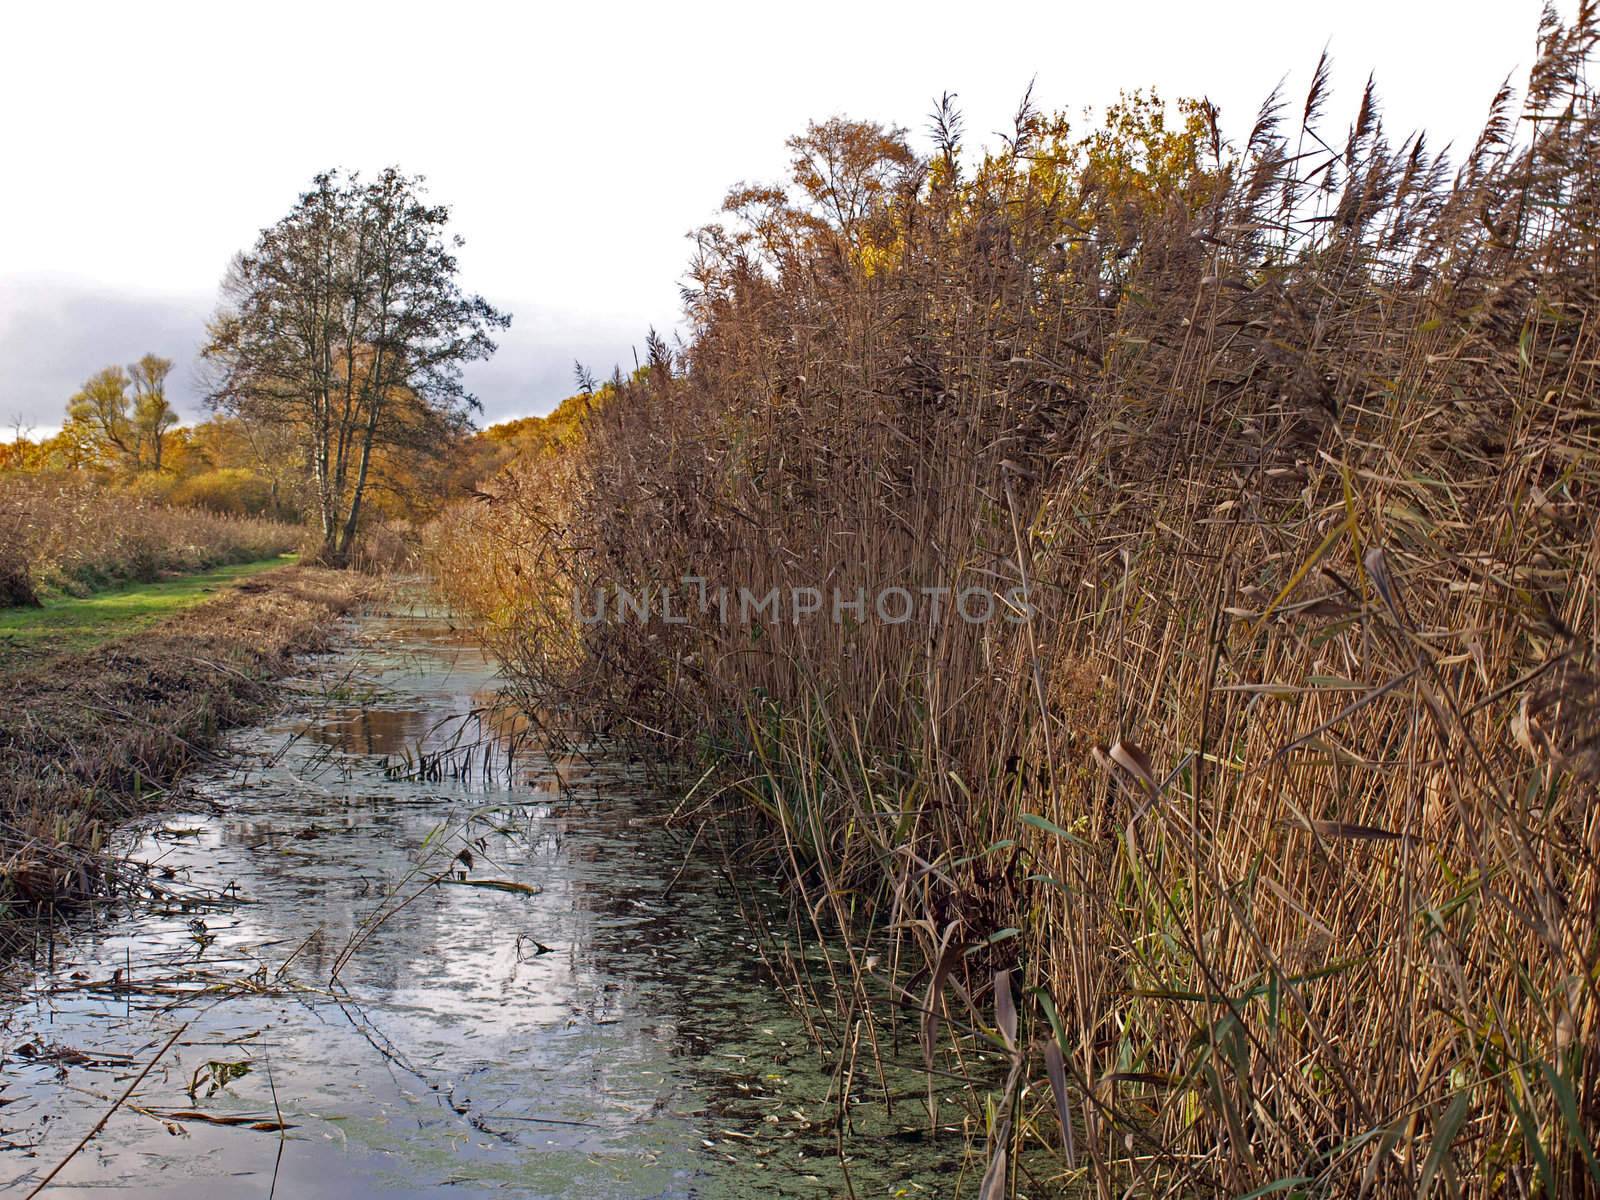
(98, 417)
(849, 168)
(272, 452)
(152, 417)
(112, 428)
(345, 323)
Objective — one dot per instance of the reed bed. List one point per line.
(65, 534)
(1267, 852)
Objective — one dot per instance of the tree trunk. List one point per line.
(348, 537)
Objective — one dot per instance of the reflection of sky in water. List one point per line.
(594, 1039)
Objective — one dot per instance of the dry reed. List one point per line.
(1282, 809)
(64, 533)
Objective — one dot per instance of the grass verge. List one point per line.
(94, 735)
(76, 624)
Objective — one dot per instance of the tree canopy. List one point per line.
(345, 324)
(107, 426)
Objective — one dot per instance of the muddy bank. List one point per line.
(391, 948)
(90, 737)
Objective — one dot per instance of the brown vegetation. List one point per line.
(66, 532)
(1283, 809)
(88, 738)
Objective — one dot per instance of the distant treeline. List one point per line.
(119, 429)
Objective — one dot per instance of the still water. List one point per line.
(363, 964)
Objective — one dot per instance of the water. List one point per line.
(596, 1022)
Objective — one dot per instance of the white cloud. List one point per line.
(55, 333)
(577, 143)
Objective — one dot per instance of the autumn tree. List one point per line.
(849, 169)
(97, 418)
(846, 174)
(108, 425)
(345, 324)
(153, 418)
(226, 447)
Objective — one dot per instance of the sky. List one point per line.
(577, 144)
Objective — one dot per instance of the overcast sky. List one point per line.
(577, 143)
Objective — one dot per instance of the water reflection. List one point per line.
(436, 972)
(371, 730)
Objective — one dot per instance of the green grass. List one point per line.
(73, 624)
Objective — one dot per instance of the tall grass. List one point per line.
(64, 534)
(1282, 810)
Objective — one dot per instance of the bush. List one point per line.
(234, 491)
(151, 487)
(16, 582)
(16, 585)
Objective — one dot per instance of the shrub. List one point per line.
(235, 491)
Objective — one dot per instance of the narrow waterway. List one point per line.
(381, 952)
